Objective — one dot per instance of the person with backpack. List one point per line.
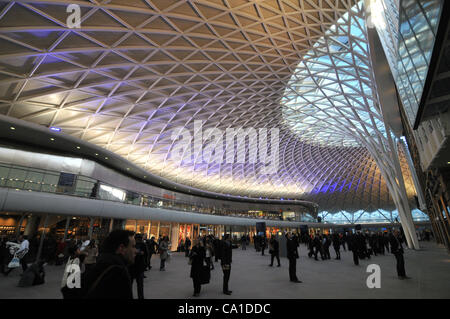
(110, 278)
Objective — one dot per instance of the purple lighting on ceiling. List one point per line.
(55, 129)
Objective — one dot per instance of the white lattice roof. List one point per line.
(137, 70)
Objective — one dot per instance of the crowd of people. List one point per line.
(109, 269)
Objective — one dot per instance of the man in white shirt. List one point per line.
(21, 253)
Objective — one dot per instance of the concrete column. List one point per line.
(66, 229)
(41, 243)
(149, 228)
(32, 225)
(174, 234)
(157, 232)
(91, 227)
(111, 224)
(415, 179)
(135, 225)
(19, 224)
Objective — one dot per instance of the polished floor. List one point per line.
(251, 277)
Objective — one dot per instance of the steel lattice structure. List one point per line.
(137, 70)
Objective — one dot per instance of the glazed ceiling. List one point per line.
(138, 70)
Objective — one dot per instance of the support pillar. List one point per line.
(149, 228)
(32, 225)
(41, 243)
(66, 229)
(19, 224)
(157, 232)
(91, 227)
(111, 225)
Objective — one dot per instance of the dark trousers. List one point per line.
(23, 263)
(293, 269)
(338, 253)
(262, 250)
(140, 284)
(197, 285)
(186, 252)
(327, 253)
(149, 260)
(226, 278)
(318, 250)
(400, 264)
(272, 258)
(209, 263)
(163, 264)
(355, 257)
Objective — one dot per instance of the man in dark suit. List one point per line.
(187, 246)
(137, 269)
(292, 255)
(263, 244)
(226, 259)
(397, 250)
(353, 245)
(110, 278)
(274, 250)
(317, 244)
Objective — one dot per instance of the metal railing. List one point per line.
(47, 181)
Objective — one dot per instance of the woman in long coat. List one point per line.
(197, 257)
(163, 252)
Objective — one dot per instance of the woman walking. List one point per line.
(163, 252)
(197, 256)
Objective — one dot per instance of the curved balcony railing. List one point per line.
(37, 180)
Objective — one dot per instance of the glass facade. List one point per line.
(419, 20)
(365, 217)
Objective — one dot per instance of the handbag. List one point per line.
(14, 263)
(20, 254)
(205, 275)
(226, 267)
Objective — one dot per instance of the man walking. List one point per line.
(292, 255)
(397, 250)
(110, 278)
(187, 246)
(226, 259)
(137, 269)
(274, 250)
